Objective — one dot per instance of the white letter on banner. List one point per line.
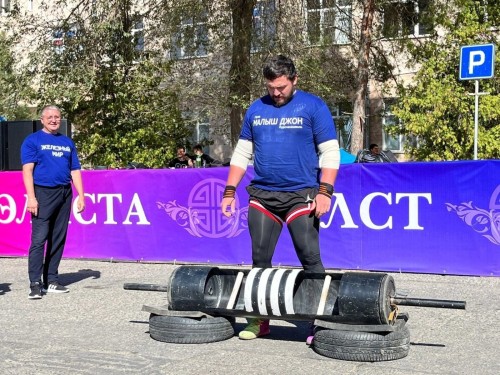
(11, 207)
(344, 211)
(136, 203)
(78, 215)
(472, 61)
(364, 211)
(109, 206)
(24, 211)
(413, 207)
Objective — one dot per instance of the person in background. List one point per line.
(200, 159)
(375, 155)
(182, 160)
(286, 131)
(50, 165)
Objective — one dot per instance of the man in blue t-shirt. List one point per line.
(291, 135)
(50, 164)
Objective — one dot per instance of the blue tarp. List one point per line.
(346, 158)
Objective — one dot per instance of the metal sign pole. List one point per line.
(477, 62)
(476, 116)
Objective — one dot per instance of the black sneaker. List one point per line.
(35, 291)
(55, 287)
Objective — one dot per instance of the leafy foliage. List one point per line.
(11, 85)
(328, 74)
(138, 121)
(92, 64)
(126, 99)
(436, 111)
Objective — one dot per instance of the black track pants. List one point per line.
(49, 228)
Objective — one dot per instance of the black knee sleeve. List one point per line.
(265, 230)
(304, 231)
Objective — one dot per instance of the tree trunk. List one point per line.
(240, 72)
(362, 75)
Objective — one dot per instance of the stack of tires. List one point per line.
(332, 343)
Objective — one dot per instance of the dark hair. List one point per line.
(181, 147)
(197, 147)
(279, 66)
(373, 145)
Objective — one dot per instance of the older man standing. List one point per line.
(50, 164)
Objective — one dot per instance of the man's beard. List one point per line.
(283, 101)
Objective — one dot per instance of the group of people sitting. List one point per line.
(198, 160)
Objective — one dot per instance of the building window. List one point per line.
(201, 131)
(406, 18)
(62, 36)
(200, 124)
(264, 25)
(342, 116)
(192, 38)
(391, 142)
(138, 34)
(5, 7)
(328, 21)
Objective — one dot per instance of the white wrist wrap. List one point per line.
(242, 154)
(329, 154)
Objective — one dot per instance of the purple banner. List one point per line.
(439, 218)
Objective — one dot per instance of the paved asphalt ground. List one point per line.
(99, 328)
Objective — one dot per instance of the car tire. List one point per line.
(180, 330)
(362, 346)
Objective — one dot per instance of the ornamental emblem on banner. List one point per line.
(203, 217)
(485, 222)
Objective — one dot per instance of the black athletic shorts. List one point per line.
(280, 203)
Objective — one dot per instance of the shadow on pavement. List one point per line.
(74, 277)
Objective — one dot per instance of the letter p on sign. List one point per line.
(476, 58)
(477, 62)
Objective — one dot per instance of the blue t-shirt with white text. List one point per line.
(285, 140)
(54, 156)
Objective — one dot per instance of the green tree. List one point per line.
(195, 36)
(215, 52)
(92, 62)
(11, 85)
(242, 35)
(436, 111)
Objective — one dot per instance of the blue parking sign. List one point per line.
(477, 62)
